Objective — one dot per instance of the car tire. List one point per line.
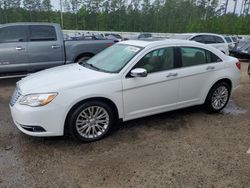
(217, 97)
(83, 59)
(91, 121)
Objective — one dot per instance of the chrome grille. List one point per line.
(15, 96)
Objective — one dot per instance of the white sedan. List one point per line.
(128, 80)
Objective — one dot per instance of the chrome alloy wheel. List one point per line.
(92, 122)
(220, 97)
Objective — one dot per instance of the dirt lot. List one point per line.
(185, 148)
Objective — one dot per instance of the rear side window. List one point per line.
(218, 39)
(198, 39)
(191, 56)
(13, 34)
(209, 39)
(42, 33)
(212, 58)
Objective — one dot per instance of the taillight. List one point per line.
(238, 65)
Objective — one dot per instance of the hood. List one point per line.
(62, 77)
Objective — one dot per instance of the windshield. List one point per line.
(183, 37)
(114, 58)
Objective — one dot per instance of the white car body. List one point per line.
(133, 98)
(222, 46)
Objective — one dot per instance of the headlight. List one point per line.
(35, 100)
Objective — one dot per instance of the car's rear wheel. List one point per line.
(91, 121)
(218, 97)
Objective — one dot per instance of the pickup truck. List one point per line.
(30, 47)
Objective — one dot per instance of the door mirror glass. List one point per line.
(139, 72)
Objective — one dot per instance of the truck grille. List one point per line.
(15, 96)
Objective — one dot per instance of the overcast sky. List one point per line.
(56, 5)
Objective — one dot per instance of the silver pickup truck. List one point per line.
(29, 47)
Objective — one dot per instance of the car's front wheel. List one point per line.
(218, 97)
(91, 121)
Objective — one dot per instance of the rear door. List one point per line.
(13, 49)
(199, 69)
(45, 47)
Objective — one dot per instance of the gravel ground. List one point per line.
(184, 148)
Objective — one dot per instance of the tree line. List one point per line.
(170, 16)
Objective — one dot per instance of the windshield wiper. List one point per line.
(91, 66)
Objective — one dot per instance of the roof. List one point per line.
(214, 34)
(144, 44)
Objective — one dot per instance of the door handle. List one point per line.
(172, 75)
(210, 68)
(20, 48)
(55, 46)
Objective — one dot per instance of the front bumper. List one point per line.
(39, 121)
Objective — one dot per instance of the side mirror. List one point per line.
(139, 72)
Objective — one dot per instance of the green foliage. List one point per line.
(137, 15)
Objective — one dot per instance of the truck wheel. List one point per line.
(83, 59)
(91, 121)
(218, 97)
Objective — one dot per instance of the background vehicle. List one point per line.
(144, 78)
(145, 36)
(217, 41)
(29, 47)
(230, 42)
(114, 36)
(242, 49)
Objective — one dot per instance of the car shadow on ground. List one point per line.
(169, 121)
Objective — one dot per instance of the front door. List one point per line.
(155, 93)
(13, 49)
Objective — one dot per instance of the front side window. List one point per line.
(157, 60)
(42, 33)
(113, 59)
(13, 34)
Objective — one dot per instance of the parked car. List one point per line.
(242, 49)
(234, 39)
(217, 41)
(230, 42)
(128, 80)
(93, 37)
(145, 36)
(29, 47)
(114, 36)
